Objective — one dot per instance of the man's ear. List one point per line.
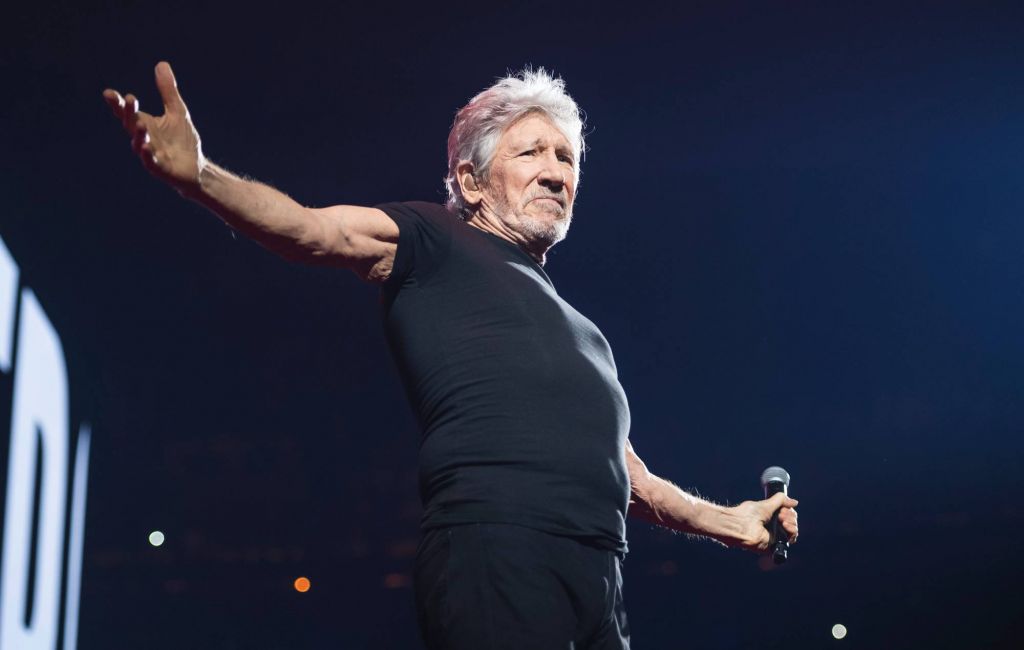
(465, 174)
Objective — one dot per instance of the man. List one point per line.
(526, 471)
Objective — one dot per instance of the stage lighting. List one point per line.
(156, 538)
(839, 630)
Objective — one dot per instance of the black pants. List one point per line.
(500, 586)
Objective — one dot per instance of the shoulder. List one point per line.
(425, 233)
(419, 214)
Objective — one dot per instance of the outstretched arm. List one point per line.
(359, 238)
(657, 501)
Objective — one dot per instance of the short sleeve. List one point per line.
(424, 239)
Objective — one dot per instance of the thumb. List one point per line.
(168, 87)
(780, 499)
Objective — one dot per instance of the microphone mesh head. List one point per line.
(774, 475)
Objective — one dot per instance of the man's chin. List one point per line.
(547, 231)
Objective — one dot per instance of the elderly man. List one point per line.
(526, 470)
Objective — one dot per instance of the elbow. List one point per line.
(643, 491)
(644, 487)
(641, 481)
(644, 495)
(643, 503)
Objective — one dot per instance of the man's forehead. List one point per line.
(535, 130)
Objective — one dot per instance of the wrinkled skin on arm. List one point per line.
(660, 502)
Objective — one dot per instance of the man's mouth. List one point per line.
(557, 201)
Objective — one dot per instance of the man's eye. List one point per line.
(528, 153)
(567, 159)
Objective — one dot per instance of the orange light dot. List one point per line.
(302, 585)
(396, 580)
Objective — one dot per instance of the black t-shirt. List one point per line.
(523, 417)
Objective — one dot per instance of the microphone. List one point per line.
(775, 480)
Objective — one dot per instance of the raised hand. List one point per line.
(168, 145)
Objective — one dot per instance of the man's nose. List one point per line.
(552, 174)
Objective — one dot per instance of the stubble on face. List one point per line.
(541, 232)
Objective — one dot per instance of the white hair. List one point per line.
(479, 124)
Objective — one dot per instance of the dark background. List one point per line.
(799, 226)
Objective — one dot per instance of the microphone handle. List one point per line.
(780, 543)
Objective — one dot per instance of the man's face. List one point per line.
(532, 181)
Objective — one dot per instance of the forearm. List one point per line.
(268, 216)
(662, 503)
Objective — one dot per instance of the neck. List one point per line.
(483, 219)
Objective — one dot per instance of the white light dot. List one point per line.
(839, 630)
(156, 538)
